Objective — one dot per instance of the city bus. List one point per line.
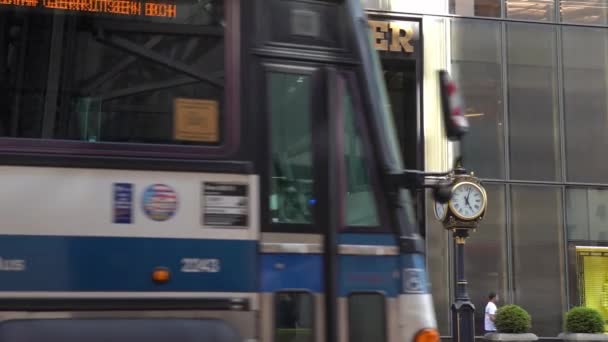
(202, 170)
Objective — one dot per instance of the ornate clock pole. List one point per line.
(461, 214)
(460, 202)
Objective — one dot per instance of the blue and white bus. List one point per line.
(201, 170)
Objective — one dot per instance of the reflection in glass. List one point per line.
(538, 277)
(587, 214)
(476, 65)
(403, 94)
(479, 8)
(401, 85)
(437, 256)
(294, 317)
(486, 255)
(577, 214)
(542, 10)
(291, 170)
(360, 204)
(585, 106)
(533, 111)
(137, 83)
(427, 6)
(584, 11)
(367, 317)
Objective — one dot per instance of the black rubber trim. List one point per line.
(123, 304)
(411, 245)
(124, 163)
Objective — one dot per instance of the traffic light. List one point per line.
(452, 106)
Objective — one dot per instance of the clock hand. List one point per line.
(466, 199)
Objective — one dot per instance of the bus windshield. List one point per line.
(113, 70)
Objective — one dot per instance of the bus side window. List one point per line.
(367, 317)
(360, 203)
(294, 314)
(291, 183)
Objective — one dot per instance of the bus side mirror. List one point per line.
(456, 124)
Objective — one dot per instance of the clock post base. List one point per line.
(463, 321)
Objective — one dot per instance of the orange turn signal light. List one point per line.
(161, 275)
(427, 335)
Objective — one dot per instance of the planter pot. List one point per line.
(510, 337)
(568, 337)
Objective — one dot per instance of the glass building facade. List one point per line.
(534, 76)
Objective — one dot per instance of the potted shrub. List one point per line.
(512, 323)
(584, 324)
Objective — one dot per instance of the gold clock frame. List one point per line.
(454, 212)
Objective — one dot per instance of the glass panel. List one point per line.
(476, 65)
(533, 109)
(360, 201)
(487, 274)
(587, 214)
(437, 256)
(136, 82)
(597, 200)
(538, 259)
(577, 214)
(402, 87)
(401, 84)
(480, 8)
(291, 170)
(294, 317)
(585, 76)
(366, 317)
(584, 11)
(531, 9)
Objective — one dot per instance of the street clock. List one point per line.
(467, 206)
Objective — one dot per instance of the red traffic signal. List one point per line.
(452, 106)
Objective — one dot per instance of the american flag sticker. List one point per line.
(160, 202)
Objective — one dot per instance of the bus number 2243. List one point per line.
(194, 265)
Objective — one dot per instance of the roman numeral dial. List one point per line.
(468, 201)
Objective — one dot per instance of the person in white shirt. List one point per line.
(490, 313)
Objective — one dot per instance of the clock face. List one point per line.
(440, 210)
(468, 201)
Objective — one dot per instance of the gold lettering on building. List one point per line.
(379, 28)
(399, 39)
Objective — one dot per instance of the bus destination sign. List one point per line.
(116, 7)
